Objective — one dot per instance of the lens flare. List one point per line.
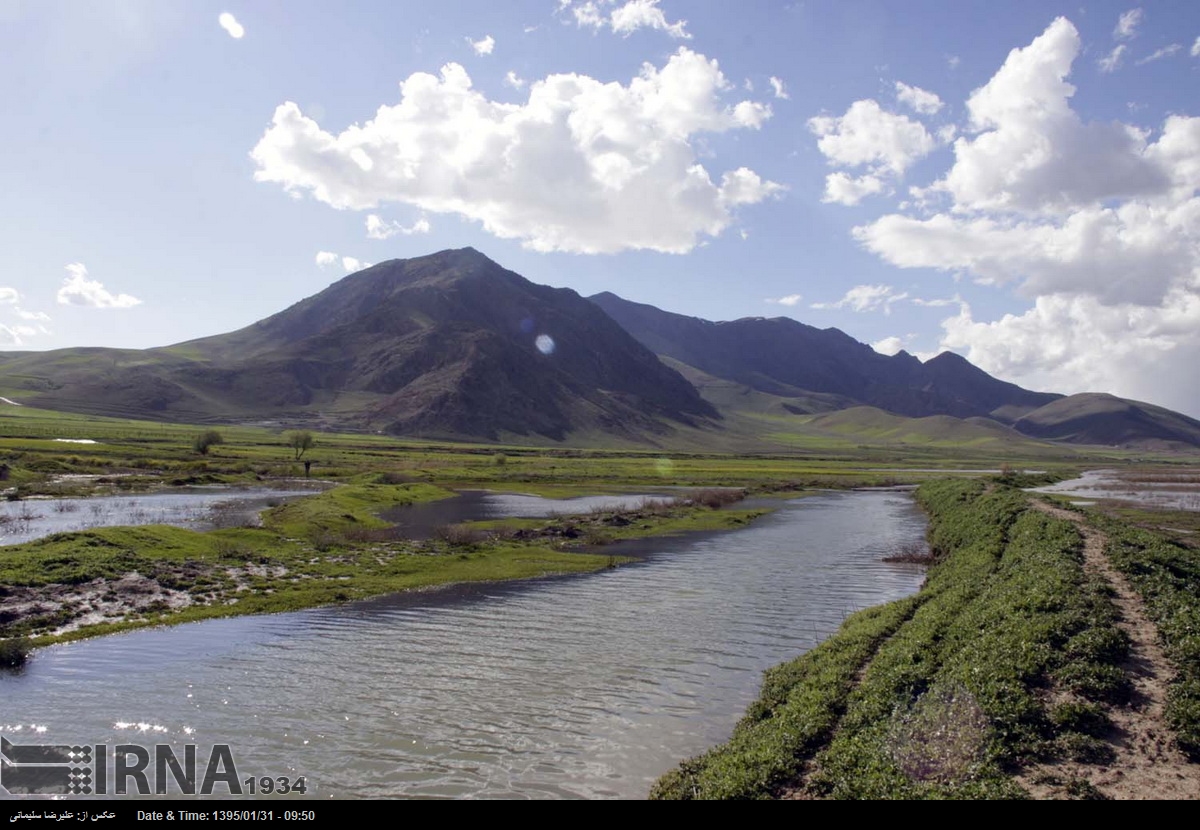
(544, 343)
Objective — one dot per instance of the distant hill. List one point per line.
(783, 357)
(1092, 418)
(773, 365)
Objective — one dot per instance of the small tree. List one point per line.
(206, 439)
(300, 441)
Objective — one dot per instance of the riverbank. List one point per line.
(324, 548)
(1017, 671)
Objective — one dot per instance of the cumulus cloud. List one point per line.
(230, 24)
(77, 289)
(869, 135)
(1078, 344)
(790, 300)
(645, 14)
(9, 296)
(1097, 224)
(581, 166)
(1127, 24)
(843, 189)
(778, 87)
(1030, 151)
(917, 99)
(513, 80)
(863, 298)
(627, 18)
(889, 345)
(325, 259)
(1159, 54)
(483, 46)
(1112, 61)
(378, 228)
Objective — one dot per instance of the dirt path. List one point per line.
(1147, 765)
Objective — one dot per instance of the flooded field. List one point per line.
(1165, 490)
(199, 508)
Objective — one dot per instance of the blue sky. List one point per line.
(1014, 181)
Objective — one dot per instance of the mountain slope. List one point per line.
(783, 357)
(445, 345)
(1092, 418)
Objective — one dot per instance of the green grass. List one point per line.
(1167, 576)
(948, 701)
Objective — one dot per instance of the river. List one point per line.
(577, 687)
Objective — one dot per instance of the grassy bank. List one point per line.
(1008, 655)
(320, 549)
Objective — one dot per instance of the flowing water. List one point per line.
(586, 686)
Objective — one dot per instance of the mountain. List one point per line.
(1104, 419)
(452, 345)
(783, 357)
(444, 345)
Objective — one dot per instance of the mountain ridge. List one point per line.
(452, 345)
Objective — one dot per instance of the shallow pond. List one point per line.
(199, 508)
(1165, 490)
(588, 686)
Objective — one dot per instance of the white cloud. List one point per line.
(582, 166)
(869, 135)
(863, 298)
(38, 316)
(953, 61)
(645, 14)
(1077, 344)
(778, 87)
(888, 345)
(586, 14)
(483, 46)
(230, 24)
(627, 19)
(77, 289)
(377, 228)
(9, 296)
(846, 190)
(1097, 224)
(1196, 48)
(9, 337)
(512, 80)
(790, 300)
(324, 259)
(1030, 151)
(940, 302)
(1127, 24)
(919, 100)
(1159, 54)
(1112, 61)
